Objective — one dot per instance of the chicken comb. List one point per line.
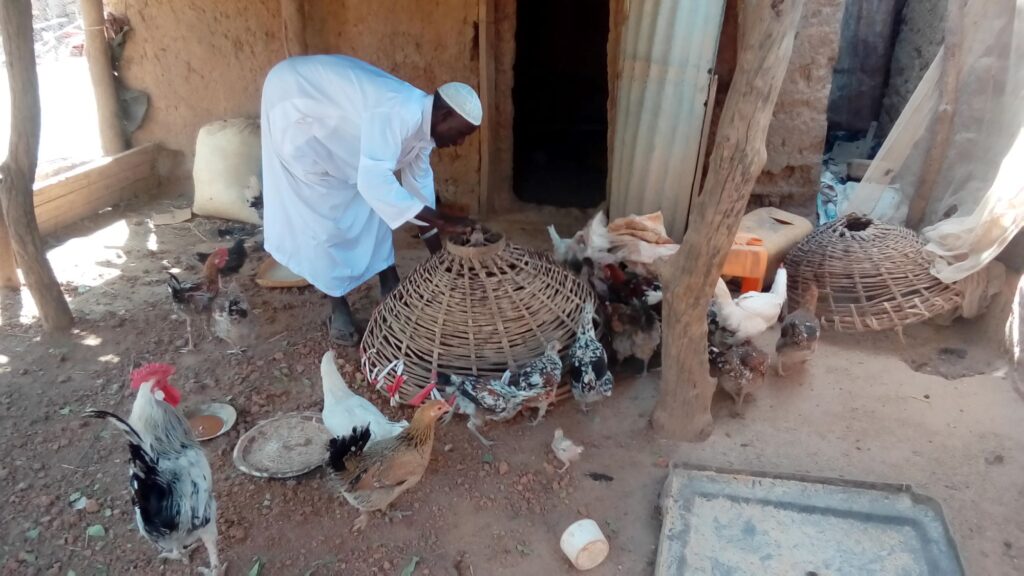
(148, 372)
(220, 256)
(423, 394)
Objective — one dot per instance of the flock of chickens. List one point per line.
(375, 459)
(629, 306)
(208, 301)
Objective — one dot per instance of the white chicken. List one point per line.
(565, 450)
(171, 482)
(345, 410)
(752, 313)
(592, 242)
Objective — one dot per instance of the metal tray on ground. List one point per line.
(738, 523)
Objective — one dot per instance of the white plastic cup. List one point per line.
(584, 544)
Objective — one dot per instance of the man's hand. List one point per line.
(456, 225)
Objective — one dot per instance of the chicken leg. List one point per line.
(188, 330)
(209, 538)
(395, 515)
(472, 424)
(360, 523)
(542, 408)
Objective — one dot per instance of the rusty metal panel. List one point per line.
(668, 52)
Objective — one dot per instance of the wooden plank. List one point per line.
(95, 200)
(486, 24)
(57, 217)
(104, 169)
(89, 189)
(61, 194)
(99, 195)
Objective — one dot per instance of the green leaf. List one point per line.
(257, 567)
(80, 503)
(65, 410)
(72, 573)
(74, 496)
(32, 534)
(96, 531)
(107, 512)
(524, 550)
(488, 458)
(412, 566)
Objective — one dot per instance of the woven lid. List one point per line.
(282, 447)
(480, 306)
(870, 276)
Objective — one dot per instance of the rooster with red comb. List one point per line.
(171, 481)
(194, 299)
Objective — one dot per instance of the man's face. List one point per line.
(450, 129)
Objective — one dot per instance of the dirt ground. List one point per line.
(858, 411)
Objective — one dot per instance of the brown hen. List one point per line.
(374, 474)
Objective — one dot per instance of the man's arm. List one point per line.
(381, 145)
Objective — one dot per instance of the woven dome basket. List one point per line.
(870, 276)
(480, 306)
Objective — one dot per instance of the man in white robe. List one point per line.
(335, 131)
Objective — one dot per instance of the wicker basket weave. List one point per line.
(479, 307)
(870, 276)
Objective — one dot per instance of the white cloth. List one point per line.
(335, 130)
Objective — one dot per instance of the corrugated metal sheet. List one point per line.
(668, 55)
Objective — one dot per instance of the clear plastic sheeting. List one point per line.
(977, 205)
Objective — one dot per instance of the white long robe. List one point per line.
(334, 132)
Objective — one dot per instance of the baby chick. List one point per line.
(565, 450)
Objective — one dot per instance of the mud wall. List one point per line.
(199, 61)
(796, 135)
(426, 43)
(203, 61)
(921, 31)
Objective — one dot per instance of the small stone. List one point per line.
(92, 506)
(994, 460)
(502, 468)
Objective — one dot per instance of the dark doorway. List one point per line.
(560, 98)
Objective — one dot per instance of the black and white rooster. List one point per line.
(171, 482)
(588, 363)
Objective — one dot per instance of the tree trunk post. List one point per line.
(293, 23)
(766, 31)
(8, 267)
(17, 173)
(97, 53)
(942, 130)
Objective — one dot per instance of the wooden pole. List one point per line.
(8, 267)
(17, 173)
(942, 130)
(97, 53)
(766, 31)
(486, 23)
(293, 23)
